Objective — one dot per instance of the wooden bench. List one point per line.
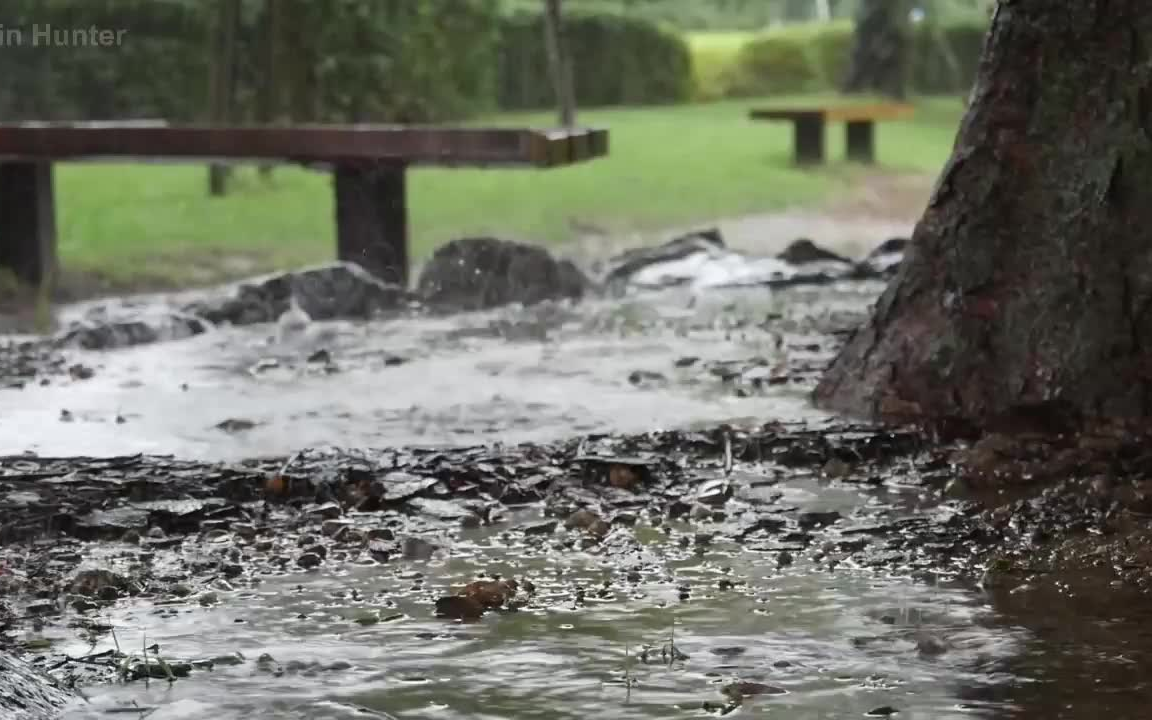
(368, 163)
(808, 125)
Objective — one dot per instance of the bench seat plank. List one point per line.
(369, 164)
(308, 144)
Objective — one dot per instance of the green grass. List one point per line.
(140, 225)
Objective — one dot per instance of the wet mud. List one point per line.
(365, 506)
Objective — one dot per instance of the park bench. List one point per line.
(808, 124)
(368, 163)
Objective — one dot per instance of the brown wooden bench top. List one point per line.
(833, 113)
(309, 144)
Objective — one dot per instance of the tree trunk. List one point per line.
(559, 62)
(268, 108)
(880, 49)
(1027, 289)
(222, 82)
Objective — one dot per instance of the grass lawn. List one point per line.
(147, 225)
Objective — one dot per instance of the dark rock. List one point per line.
(803, 252)
(633, 261)
(743, 688)
(882, 711)
(647, 379)
(587, 520)
(233, 425)
(319, 550)
(484, 272)
(546, 527)
(459, 607)
(108, 328)
(325, 292)
(94, 582)
(381, 534)
(309, 560)
(810, 520)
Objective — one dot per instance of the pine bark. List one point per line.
(1027, 290)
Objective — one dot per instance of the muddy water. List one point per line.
(526, 375)
(834, 643)
(595, 641)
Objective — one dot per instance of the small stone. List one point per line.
(232, 570)
(244, 530)
(546, 527)
(330, 528)
(180, 590)
(328, 511)
(702, 539)
(378, 551)
(208, 598)
(317, 550)
(624, 518)
(83, 604)
(743, 689)
(131, 537)
(263, 545)
(155, 533)
(109, 593)
(882, 711)
(381, 534)
(784, 559)
(304, 540)
(309, 560)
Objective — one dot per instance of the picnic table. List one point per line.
(809, 122)
(368, 163)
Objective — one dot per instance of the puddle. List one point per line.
(595, 640)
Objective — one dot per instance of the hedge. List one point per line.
(616, 60)
(341, 60)
(808, 58)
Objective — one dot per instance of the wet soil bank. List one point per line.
(1066, 562)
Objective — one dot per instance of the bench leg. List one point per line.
(372, 219)
(28, 222)
(861, 141)
(809, 140)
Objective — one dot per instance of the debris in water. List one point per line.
(233, 425)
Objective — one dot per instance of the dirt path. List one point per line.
(869, 210)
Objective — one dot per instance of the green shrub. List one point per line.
(342, 60)
(814, 57)
(616, 60)
(774, 64)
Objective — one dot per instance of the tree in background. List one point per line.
(559, 62)
(880, 50)
(1026, 294)
(222, 80)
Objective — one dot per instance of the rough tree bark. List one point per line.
(880, 49)
(1028, 284)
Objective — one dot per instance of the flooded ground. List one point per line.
(666, 615)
